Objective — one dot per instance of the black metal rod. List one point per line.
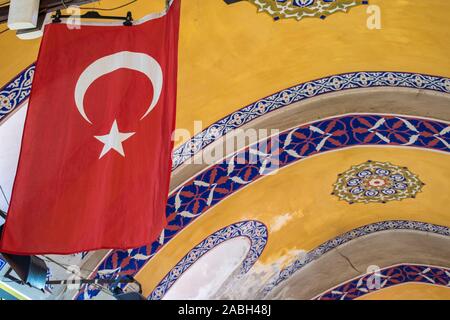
(128, 19)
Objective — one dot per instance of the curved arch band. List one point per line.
(349, 238)
(392, 276)
(255, 231)
(221, 180)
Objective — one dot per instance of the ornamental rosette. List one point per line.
(299, 9)
(378, 182)
(5, 103)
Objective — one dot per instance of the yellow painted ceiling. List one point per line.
(231, 56)
(300, 195)
(410, 291)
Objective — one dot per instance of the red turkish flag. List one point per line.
(95, 162)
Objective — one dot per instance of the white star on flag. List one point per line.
(114, 140)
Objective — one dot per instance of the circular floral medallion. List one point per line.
(5, 102)
(299, 9)
(374, 181)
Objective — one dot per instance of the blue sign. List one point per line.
(4, 295)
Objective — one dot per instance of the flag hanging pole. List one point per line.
(128, 19)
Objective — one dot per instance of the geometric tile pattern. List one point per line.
(314, 254)
(255, 231)
(221, 180)
(391, 276)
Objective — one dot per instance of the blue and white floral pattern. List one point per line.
(390, 276)
(302, 92)
(16, 92)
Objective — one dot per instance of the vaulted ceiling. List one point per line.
(347, 99)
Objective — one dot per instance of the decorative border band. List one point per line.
(255, 231)
(219, 181)
(314, 254)
(391, 276)
(304, 91)
(18, 90)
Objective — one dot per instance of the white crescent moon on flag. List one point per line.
(125, 59)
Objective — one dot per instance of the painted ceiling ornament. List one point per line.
(299, 9)
(375, 181)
